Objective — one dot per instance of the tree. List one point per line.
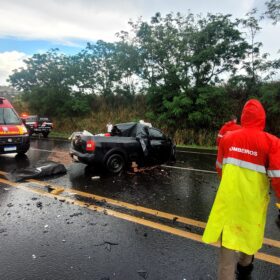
(180, 53)
(47, 85)
(273, 10)
(102, 64)
(129, 63)
(270, 97)
(256, 63)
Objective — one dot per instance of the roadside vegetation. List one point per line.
(184, 73)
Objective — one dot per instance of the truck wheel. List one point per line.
(45, 134)
(115, 163)
(21, 153)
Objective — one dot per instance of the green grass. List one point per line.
(194, 146)
(96, 121)
(57, 134)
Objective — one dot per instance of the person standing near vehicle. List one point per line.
(109, 127)
(228, 126)
(247, 159)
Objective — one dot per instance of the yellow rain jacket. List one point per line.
(246, 157)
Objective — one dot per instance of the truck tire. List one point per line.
(22, 152)
(115, 163)
(45, 134)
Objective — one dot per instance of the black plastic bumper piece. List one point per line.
(82, 157)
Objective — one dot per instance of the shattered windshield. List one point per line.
(8, 116)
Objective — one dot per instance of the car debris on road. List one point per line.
(40, 170)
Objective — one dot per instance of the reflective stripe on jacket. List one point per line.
(246, 158)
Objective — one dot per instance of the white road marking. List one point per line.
(189, 169)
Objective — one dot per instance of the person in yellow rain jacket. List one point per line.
(247, 160)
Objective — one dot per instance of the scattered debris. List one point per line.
(49, 188)
(34, 256)
(174, 219)
(143, 274)
(111, 243)
(108, 245)
(134, 166)
(57, 191)
(41, 169)
(189, 228)
(95, 177)
(10, 205)
(76, 214)
(145, 170)
(39, 204)
(54, 190)
(2, 230)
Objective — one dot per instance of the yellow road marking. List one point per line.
(168, 216)
(129, 206)
(141, 221)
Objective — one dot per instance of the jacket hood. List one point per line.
(253, 115)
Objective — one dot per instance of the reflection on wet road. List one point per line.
(169, 205)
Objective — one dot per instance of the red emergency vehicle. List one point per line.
(14, 136)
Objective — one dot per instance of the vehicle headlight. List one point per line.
(24, 130)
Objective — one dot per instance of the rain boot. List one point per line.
(244, 272)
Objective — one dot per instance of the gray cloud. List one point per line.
(62, 20)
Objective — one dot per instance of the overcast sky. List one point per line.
(32, 26)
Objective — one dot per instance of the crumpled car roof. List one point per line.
(130, 129)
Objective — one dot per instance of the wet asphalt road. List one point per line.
(76, 226)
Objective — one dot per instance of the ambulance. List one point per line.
(14, 137)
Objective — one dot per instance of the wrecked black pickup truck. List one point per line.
(126, 143)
